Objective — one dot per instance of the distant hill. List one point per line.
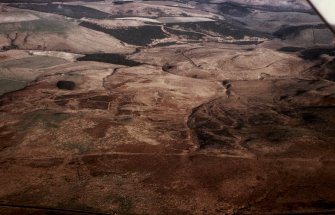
(41, 1)
(284, 3)
(270, 5)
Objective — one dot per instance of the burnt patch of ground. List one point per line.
(186, 34)
(221, 28)
(234, 9)
(315, 53)
(257, 127)
(286, 31)
(110, 58)
(66, 85)
(324, 70)
(218, 126)
(140, 36)
(306, 94)
(328, 71)
(290, 49)
(45, 118)
(247, 42)
(323, 204)
(167, 67)
(73, 11)
(165, 44)
(319, 119)
(267, 8)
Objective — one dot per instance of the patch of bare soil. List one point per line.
(3, 57)
(89, 101)
(7, 137)
(100, 128)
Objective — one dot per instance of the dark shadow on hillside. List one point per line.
(110, 58)
(140, 36)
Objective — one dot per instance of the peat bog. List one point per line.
(315, 53)
(110, 58)
(140, 36)
(73, 11)
(66, 85)
(222, 29)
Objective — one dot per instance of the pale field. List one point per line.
(10, 17)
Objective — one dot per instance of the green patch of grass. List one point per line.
(41, 25)
(7, 86)
(45, 118)
(34, 62)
